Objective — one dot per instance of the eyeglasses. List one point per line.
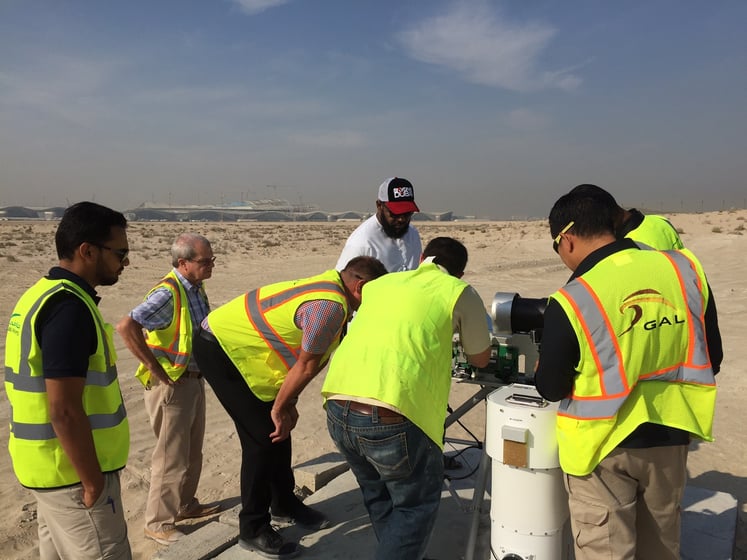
(556, 241)
(122, 254)
(203, 262)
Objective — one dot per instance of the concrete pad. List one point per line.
(206, 542)
(315, 474)
(708, 524)
(350, 534)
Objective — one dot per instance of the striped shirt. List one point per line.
(321, 321)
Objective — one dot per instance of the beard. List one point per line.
(109, 280)
(106, 277)
(395, 231)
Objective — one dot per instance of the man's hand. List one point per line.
(132, 334)
(284, 420)
(91, 492)
(160, 374)
(284, 414)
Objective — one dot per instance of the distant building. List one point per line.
(271, 210)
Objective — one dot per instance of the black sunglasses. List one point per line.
(121, 253)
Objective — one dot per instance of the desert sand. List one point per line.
(504, 257)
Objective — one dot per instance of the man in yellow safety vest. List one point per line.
(69, 435)
(174, 386)
(630, 347)
(258, 352)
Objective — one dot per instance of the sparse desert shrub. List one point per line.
(716, 229)
(680, 231)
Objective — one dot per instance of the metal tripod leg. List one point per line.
(481, 481)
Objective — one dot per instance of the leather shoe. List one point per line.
(197, 510)
(269, 544)
(164, 537)
(302, 515)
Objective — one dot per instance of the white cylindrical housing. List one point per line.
(529, 504)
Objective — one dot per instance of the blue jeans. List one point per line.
(400, 471)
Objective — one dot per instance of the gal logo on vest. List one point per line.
(635, 300)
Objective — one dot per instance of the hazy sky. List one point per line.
(493, 108)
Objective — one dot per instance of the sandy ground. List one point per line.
(504, 257)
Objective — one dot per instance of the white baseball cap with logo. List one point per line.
(398, 195)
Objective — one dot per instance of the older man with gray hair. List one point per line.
(174, 386)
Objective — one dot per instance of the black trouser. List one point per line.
(266, 473)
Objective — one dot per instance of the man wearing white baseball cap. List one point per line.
(388, 235)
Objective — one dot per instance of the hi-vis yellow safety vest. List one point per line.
(258, 333)
(38, 458)
(657, 233)
(398, 348)
(644, 356)
(171, 346)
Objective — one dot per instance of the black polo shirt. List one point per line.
(65, 329)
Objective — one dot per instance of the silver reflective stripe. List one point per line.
(173, 357)
(25, 382)
(281, 297)
(38, 432)
(257, 309)
(24, 369)
(35, 384)
(696, 303)
(603, 341)
(600, 408)
(26, 331)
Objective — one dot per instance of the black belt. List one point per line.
(207, 335)
(386, 416)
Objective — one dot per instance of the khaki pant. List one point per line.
(628, 508)
(68, 530)
(177, 416)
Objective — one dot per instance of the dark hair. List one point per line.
(85, 222)
(603, 197)
(365, 268)
(449, 253)
(596, 192)
(591, 215)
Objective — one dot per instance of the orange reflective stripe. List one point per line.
(256, 308)
(171, 352)
(586, 305)
(266, 331)
(697, 354)
(600, 342)
(604, 347)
